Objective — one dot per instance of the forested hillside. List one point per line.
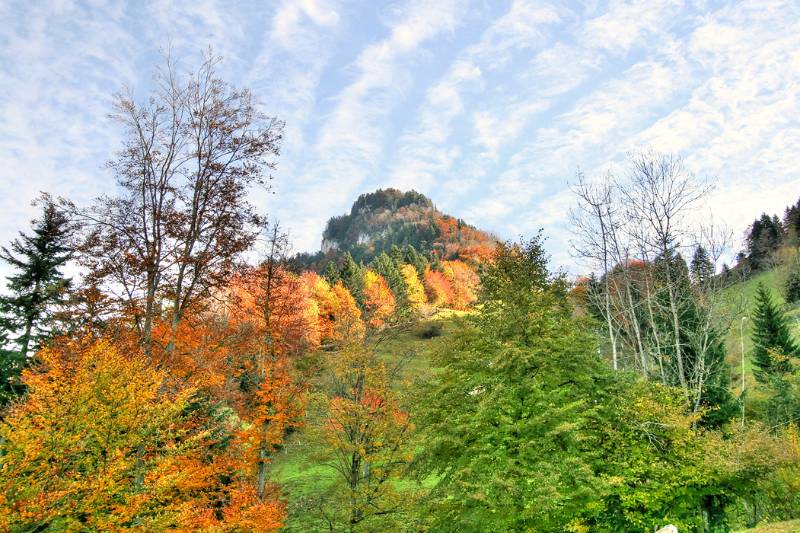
(389, 218)
(416, 375)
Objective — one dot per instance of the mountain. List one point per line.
(390, 217)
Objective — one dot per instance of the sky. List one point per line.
(488, 107)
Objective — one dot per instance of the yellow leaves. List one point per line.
(415, 291)
(77, 452)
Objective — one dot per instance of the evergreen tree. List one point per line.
(772, 340)
(792, 286)
(701, 267)
(412, 257)
(331, 273)
(36, 290)
(386, 267)
(352, 276)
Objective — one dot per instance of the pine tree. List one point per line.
(701, 268)
(37, 289)
(792, 287)
(352, 276)
(386, 267)
(771, 337)
(331, 273)
(413, 257)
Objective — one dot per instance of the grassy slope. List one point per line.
(739, 302)
(778, 527)
(295, 467)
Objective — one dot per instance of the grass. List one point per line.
(296, 467)
(738, 302)
(778, 527)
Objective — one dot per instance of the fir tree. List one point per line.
(36, 290)
(386, 267)
(701, 267)
(352, 276)
(412, 257)
(771, 338)
(792, 286)
(331, 273)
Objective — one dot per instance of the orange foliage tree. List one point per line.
(104, 442)
(378, 298)
(464, 282)
(438, 288)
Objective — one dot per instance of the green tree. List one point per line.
(352, 277)
(37, 290)
(701, 267)
(525, 428)
(331, 273)
(384, 265)
(772, 340)
(412, 257)
(792, 286)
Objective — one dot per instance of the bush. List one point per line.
(434, 329)
(792, 287)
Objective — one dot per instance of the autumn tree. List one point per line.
(415, 291)
(363, 434)
(464, 282)
(37, 293)
(181, 219)
(379, 301)
(438, 288)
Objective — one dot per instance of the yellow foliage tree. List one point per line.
(415, 291)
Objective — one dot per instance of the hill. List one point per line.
(379, 220)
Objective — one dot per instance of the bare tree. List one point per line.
(593, 222)
(659, 194)
(181, 219)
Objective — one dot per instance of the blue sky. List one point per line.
(487, 107)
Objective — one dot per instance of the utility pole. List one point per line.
(741, 338)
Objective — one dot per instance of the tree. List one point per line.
(332, 273)
(659, 195)
(364, 435)
(464, 282)
(701, 267)
(763, 239)
(182, 218)
(792, 285)
(352, 277)
(37, 293)
(105, 442)
(525, 428)
(772, 340)
(379, 302)
(386, 267)
(414, 289)
(438, 288)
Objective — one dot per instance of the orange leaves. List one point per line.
(378, 298)
(247, 512)
(106, 441)
(464, 282)
(438, 288)
(95, 421)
